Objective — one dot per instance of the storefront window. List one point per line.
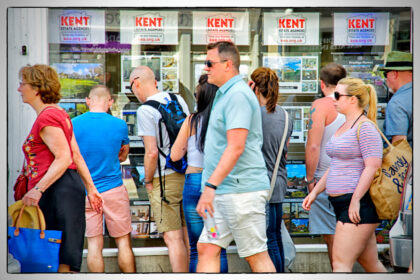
(101, 46)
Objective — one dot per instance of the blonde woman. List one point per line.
(347, 181)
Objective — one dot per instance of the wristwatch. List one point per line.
(207, 184)
(311, 181)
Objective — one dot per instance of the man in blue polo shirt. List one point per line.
(235, 182)
(399, 111)
(103, 142)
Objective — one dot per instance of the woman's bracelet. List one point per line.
(38, 189)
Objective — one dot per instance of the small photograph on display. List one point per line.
(308, 74)
(81, 108)
(302, 213)
(154, 232)
(305, 136)
(139, 213)
(306, 112)
(294, 214)
(296, 185)
(299, 225)
(77, 79)
(171, 86)
(169, 62)
(169, 74)
(309, 86)
(70, 108)
(286, 210)
(297, 125)
(140, 230)
(309, 63)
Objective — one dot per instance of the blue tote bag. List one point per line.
(37, 250)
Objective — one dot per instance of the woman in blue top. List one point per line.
(190, 140)
(265, 84)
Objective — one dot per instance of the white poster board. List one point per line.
(165, 68)
(76, 26)
(149, 27)
(361, 29)
(297, 74)
(291, 29)
(300, 117)
(210, 27)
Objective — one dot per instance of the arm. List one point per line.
(319, 188)
(179, 148)
(316, 128)
(93, 195)
(150, 160)
(395, 138)
(122, 155)
(56, 141)
(236, 139)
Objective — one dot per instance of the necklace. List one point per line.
(356, 120)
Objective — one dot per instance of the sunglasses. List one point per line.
(210, 63)
(131, 86)
(337, 95)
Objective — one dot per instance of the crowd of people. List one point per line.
(232, 141)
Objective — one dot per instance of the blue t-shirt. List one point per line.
(100, 137)
(399, 114)
(236, 106)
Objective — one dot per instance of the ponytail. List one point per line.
(372, 110)
(268, 86)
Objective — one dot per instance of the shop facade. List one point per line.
(90, 46)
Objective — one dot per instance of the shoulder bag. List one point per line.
(387, 185)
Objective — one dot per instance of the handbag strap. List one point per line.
(377, 128)
(41, 223)
(276, 167)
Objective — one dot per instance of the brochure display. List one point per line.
(297, 74)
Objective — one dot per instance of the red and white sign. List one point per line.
(291, 29)
(76, 27)
(210, 27)
(149, 27)
(362, 29)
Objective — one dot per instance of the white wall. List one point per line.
(26, 27)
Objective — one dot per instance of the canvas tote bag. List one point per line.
(387, 185)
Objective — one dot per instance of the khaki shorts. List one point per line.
(240, 217)
(116, 210)
(168, 217)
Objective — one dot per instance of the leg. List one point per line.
(63, 268)
(95, 260)
(261, 262)
(350, 241)
(369, 258)
(274, 236)
(208, 257)
(177, 250)
(126, 261)
(329, 240)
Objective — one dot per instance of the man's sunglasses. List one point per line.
(131, 86)
(210, 63)
(337, 95)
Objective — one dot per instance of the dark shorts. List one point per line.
(63, 205)
(367, 212)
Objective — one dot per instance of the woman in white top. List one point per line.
(190, 140)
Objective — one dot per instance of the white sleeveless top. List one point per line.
(195, 157)
(324, 159)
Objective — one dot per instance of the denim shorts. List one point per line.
(367, 210)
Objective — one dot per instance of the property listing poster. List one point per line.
(297, 74)
(149, 27)
(291, 29)
(165, 68)
(300, 117)
(361, 29)
(209, 27)
(76, 26)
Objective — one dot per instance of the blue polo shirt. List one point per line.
(100, 137)
(236, 106)
(399, 114)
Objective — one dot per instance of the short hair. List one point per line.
(45, 78)
(100, 91)
(227, 50)
(331, 73)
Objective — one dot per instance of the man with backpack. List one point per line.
(158, 120)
